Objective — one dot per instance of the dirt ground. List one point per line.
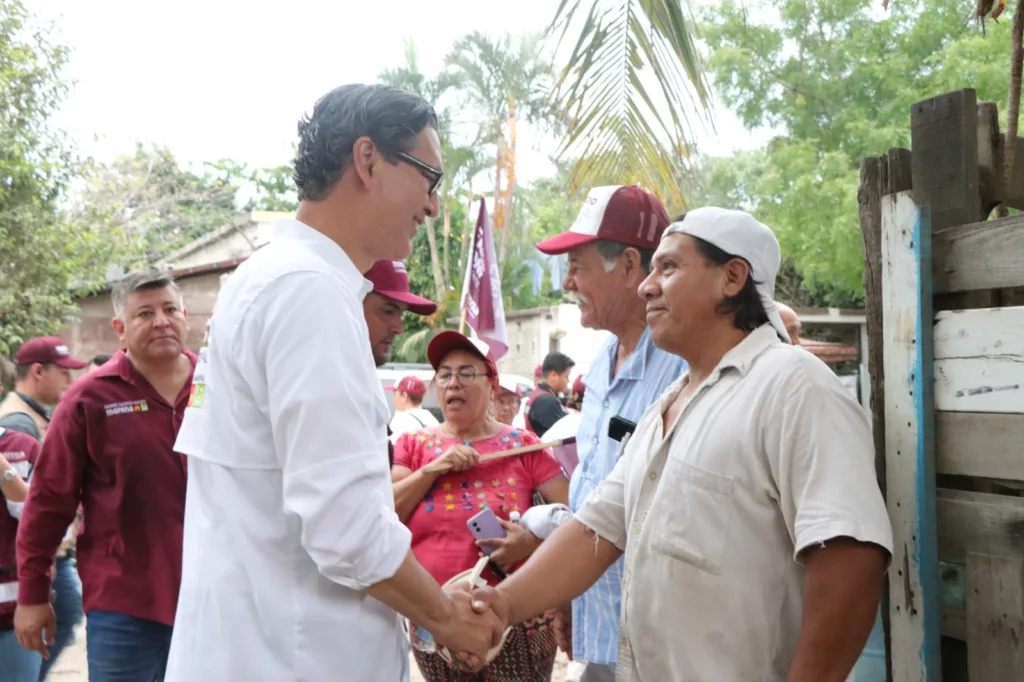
(71, 666)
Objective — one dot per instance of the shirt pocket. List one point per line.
(695, 527)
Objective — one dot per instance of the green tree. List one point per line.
(632, 79)
(837, 82)
(41, 256)
(149, 205)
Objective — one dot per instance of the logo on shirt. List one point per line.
(114, 409)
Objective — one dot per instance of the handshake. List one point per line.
(475, 628)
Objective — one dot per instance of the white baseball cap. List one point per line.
(740, 234)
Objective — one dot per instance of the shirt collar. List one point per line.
(326, 248)
(635, 366)
(121, 367)
(741, 357)
(36, 406)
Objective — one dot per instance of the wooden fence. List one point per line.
(946, 351)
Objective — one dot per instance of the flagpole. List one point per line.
(462, 321)
(465, 278)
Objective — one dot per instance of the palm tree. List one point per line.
(504, 81)
(630, 81)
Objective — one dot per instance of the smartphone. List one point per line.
(618, 428)
(484, 526)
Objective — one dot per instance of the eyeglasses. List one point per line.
(434, 175)
(465, 374)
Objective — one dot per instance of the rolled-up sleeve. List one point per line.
(331, 442)
(822, 455)
(604, 511)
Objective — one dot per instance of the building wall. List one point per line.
(237, 244)
(532, 334)
(92, 333)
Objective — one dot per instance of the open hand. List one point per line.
(517, 544)
(561, 627)
(458, 458)
(31, 622)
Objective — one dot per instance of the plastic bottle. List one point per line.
(423, 641)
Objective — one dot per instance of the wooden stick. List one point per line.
(437, 467)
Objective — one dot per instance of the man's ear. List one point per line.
(364, 155)
(631, 262)
(736, 273)
(118, 326)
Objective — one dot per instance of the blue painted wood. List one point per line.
(910, 439)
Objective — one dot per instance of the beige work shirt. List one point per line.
(769, 456)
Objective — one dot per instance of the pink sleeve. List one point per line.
(407, 451)
(542, 465)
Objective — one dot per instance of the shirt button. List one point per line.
(606, 403)
(593, 441)
(652, 476)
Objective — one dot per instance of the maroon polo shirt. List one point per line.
(110, 447)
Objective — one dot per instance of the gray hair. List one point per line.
(389, 116)
(140, 280)
(610, 252)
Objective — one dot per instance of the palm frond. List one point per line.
(631, 82)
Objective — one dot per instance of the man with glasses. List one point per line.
(295, 562)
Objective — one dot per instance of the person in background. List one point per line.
(295, 565)
(538, 375)
(110, 449)
(436, 506)
(508, 398)
(18, 453)
(43, 367)
(409, 413)
(792, 322)
(544, 406)
(610, 246)
(98, 361)
(384, 305)
(746, 503)
(574, 401)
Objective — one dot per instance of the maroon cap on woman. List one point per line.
(391, 280)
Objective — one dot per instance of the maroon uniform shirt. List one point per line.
(110, 446)
(21, 450)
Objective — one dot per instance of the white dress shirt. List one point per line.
(289, 514)
(411, 420)
(769, 456)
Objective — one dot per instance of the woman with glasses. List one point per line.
(436, 505)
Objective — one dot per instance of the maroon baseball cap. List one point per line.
(414, 386)
(578, 387)
(539, 372)
(619, 213)
(47, 350)
(391, 280)
(445, 342)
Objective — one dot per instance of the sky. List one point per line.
(226, 79)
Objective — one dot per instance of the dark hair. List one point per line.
(21, 371)
(141, 280)
(389, 116)
(745, 307)
(610, 252)
(556, 362)
(101, 359)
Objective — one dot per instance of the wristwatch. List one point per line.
(8, 476)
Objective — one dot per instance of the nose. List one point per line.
(397, 327)
(432, 207)
(569, 282)
(160, 319)
(649, 287)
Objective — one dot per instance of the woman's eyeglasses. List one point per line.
(433, 175)
(466, 375)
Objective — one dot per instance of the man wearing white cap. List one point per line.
(754, 533)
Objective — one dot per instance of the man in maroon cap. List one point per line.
(110, 449)
(43, 367)
(384, 306)
(610, 247)
(409, 413)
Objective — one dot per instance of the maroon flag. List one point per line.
(482, 305)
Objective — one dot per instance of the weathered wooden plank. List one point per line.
(979, 255)
(995, 617)
(980, 444)
(907, 319)
(1016, 198)
(979, 360)
(979, 522)
(944, 139)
